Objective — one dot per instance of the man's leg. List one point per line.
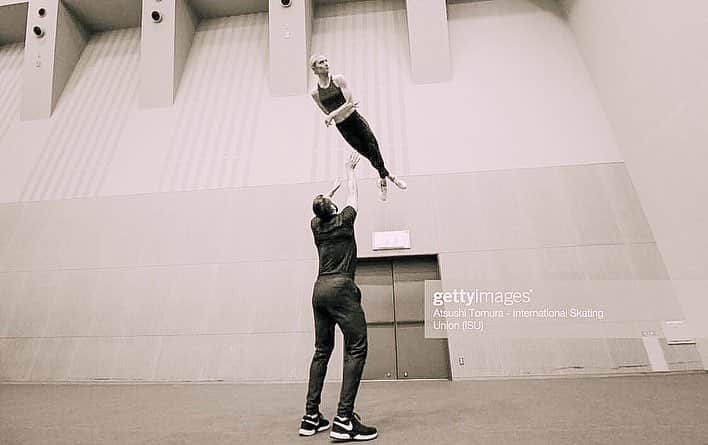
(324, 344)
(352, 322)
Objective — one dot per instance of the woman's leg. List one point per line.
(358, 134)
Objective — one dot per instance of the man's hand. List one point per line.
(335, 187)
(353, 160)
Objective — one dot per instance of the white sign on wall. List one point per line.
(400, 239)
(677, 333)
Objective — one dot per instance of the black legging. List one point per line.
(358, 134)
(336, 299)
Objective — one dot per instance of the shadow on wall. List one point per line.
(335, 8)
(506, 7)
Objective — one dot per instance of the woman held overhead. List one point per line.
(334, 98)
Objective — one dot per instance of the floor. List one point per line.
(648, 409)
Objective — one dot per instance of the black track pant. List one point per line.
(336, 299)
(356, 131)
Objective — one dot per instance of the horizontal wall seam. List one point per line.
(259, 186)
(313, 259)
(200, 334)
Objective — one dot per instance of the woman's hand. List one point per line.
(329, 120)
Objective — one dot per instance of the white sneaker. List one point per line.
(312, 424)
(347, 429)
(400, 183)
(383, 189)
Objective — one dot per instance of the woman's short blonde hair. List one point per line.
(316, 58)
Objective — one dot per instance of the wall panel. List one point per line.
(11, 58)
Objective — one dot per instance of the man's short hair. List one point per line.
(322, 208)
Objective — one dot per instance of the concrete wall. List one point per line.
(193, 285)
(174, 244)
(11, 57)
(647, 60)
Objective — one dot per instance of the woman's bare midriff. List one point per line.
(342, 116)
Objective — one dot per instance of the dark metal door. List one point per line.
(417, 356)
(393, 299)
(375, 279)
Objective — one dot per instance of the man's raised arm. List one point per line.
(352, 192)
